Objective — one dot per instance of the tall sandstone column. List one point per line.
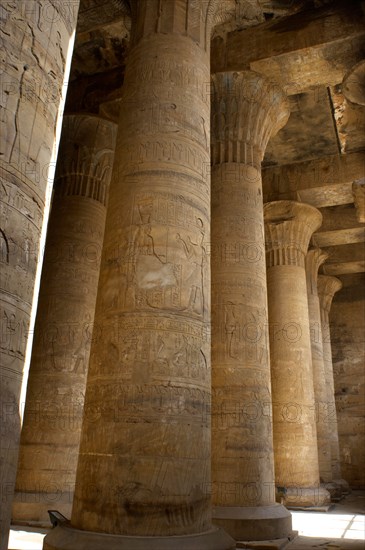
(246, 110)
(289, 226)
(143, 478)
(36, 42)
(57, 379)
(327, 288)
(313, 260)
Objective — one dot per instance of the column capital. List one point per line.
(288, 228)
(247, 109)
(327, 288)
(85, 156)
(313, 260)
(191, 18)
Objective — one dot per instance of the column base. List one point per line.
(314, 498)
(277, 544)
(65, 537)
(32, 508)
(334, 490)
(345, 487)
(256, 523)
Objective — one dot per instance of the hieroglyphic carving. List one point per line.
(288, 227)
(314, 259)
(327, 287)
(62, 337)
(241, 400)
(152, 317)
(36, 39)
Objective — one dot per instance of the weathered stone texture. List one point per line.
(288, 229)
(246, 110)
(314, 259)
(35, 43)
(64, 324)
(144, 462)
(327, 287)
(347, 318)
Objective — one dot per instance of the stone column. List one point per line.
(289, 226)
(327, 287)
(36, 44)
(65, 315)
(314, 259)
(246, 110)
(143, 474)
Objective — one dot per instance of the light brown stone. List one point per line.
(288, 229)
(327, 287)
(353, 84)
(347, 320)
(303, 50)
(64, 324)
(246, 110)
(35, 44)
(144, 462)
(305, 180)
(314, 259)
(358, 189)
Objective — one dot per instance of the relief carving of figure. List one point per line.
(195, 253)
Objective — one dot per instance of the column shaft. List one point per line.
(36, 42)
(246, 110)
(289, 226)
(327, 287)
(144, 464)
(314, 259)
(64, 323)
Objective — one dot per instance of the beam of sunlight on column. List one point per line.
(47, 206)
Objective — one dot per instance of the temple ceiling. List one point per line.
(315, 50)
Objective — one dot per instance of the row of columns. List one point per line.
(243, 477)
(144, 474)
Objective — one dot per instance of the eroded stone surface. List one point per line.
(64, 325)
(327, 287)
(35, 43)
(147, 472)
(353, 85)
(246, 110)
(288, 229)
(347, 317)
(314, 259)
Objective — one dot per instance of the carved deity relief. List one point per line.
(165, 263)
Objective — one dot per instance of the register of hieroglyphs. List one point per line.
(246, 110)
(65, 318)
(36, 43)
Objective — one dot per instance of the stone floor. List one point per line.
(342, 528)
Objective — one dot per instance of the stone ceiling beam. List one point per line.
(340, 217)
(338, 237)
(295, 181)
(310, 48)
(344, 268)
(344, 253)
